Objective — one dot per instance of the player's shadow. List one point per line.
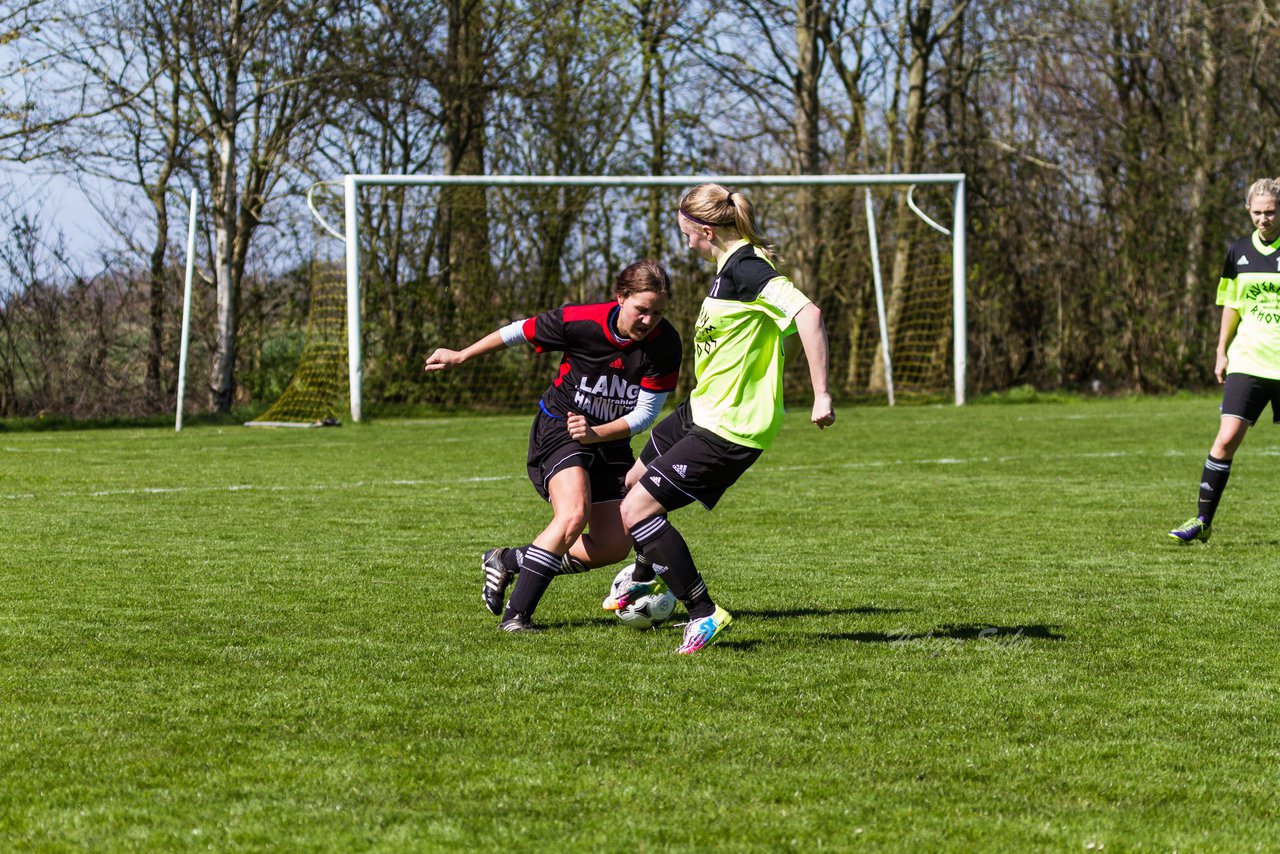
(797, 613)
(958, 633)
(743, 645)
(607, 620)
(780, 614)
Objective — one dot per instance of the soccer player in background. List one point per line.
(621, 360)
(735, 410)
(1248, 358)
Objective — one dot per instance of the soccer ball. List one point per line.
(647, 611)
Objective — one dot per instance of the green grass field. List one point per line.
(956, 629)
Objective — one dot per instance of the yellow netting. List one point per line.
(427, 281)
(921, 330)
(319, 390)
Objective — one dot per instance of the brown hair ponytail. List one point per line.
(642, 276)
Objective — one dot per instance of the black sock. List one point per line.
(659, 541)
(540, 567)
(570, 565)
(644, 569)
(513, 559)
(1212, 482)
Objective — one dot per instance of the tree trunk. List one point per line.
(1201, 117)
(226, 284)
(807, 123)
(154, 389)
(154, 386)
(468, 275)
(896, 295)
(656, 16)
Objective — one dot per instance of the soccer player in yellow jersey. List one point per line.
(1248, 359)
(734, 413)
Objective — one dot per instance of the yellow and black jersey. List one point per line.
(1250, 284)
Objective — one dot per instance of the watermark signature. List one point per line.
(989, 639)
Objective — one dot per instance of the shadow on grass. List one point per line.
(796, 613)
(956, 633)
(730, 643)
(785, 614)
(607, 621)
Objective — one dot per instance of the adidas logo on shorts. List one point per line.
(655, 480)
(680, 469)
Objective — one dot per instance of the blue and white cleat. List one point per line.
(704, 632)
(1193, 530)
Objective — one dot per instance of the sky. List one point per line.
(60, 205)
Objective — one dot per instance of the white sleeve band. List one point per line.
(513, 334)
(648, 405)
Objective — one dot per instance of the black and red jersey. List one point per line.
(602, 373)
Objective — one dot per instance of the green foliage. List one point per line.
(1106, 157)
(270, 373)
(1027, 394)
(238, 415)
(957, 629)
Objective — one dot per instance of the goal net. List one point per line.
(435, 261)
(318, 392)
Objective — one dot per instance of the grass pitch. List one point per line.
(955, 629)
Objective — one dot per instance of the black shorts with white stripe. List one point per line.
(551, 450)
(1246, 396)
(686, 463)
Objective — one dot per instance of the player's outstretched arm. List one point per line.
(444, 359)
(813, 336)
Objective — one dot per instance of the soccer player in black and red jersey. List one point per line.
(621, 360)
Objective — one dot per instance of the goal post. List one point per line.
(353, 183)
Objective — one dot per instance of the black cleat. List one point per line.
(518, 622)
(496, 581)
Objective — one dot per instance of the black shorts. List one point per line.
(552, 449)
(686, 463)
(1245, 396)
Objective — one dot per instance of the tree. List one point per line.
(463, 80)
(260, 77)
(42, 86)
(922, 38)
(143, 143)
(388, 120)
(849, 41)
(656, 23)
(1201, 28)
(20, 22)
(570, 109)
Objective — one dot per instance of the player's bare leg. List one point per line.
(570, 493)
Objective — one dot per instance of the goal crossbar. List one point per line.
(352, 183)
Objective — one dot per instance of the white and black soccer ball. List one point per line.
(647, 611)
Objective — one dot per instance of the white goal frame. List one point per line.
(351, 185)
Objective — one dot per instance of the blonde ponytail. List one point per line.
(718, 207)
